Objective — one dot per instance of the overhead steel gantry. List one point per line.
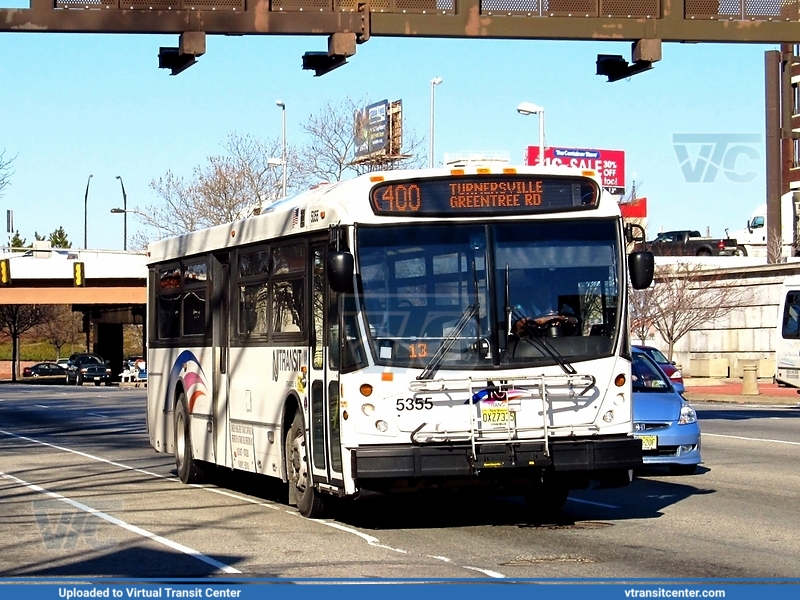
(644, 23)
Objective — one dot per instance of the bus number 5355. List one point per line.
(414, 403)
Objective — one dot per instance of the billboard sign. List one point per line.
(370, 129)
(609, 163)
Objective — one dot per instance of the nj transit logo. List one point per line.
(702, 155)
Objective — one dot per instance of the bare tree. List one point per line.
(61, 328)
(640, 306)
(243, 180)
(228, 187)
(331, 151)
(5, 171)
(683, 297)
(16, 319)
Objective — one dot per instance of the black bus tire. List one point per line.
(298, 471)
(188, 469)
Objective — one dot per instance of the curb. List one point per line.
(765, 399)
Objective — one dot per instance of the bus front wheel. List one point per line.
(301, 486)
(188, 469)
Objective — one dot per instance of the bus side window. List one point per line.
(169, 322)
(287, 306)
(791, 316)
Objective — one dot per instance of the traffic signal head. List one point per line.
(5, 272)
(78, 274)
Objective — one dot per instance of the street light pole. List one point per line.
(434, 82)
(528, 108)
(282, 104)
(124, 216)
(86, 214)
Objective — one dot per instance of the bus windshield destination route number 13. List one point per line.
(400, 331)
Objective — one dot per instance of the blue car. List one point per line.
(662, 419)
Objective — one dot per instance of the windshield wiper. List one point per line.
(437, 358)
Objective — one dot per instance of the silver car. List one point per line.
(663, 420)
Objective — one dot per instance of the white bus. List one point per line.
(787, 347)
(369, 335)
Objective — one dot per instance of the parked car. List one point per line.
(45, 369)
(88, 367)
(662, 419)
(63, 363)
(668, 366)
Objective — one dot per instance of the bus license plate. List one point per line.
(792, 374)
(649, 442)
(496, 417)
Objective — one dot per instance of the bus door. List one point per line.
(220, 319)
(326, 453)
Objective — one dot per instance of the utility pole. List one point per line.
(773, 65)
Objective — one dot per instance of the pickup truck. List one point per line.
(688, 242)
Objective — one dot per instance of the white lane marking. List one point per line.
(120, 523)
(42, 405)
(601, 504)
(750, 439)
(372, 541)
(97, 415)
(494, 574)
(89, 456)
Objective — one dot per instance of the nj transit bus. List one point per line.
(373, 334)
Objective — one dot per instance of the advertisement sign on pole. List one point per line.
(609, 163)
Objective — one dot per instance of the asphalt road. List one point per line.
(83, 494)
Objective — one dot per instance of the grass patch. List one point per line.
(38, 351)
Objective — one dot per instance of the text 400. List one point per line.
(402, 197)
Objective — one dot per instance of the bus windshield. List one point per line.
(490, 295)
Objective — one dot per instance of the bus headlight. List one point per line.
(381, 426)
(609, 416)
(367, 409)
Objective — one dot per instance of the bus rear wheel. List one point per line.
(188, 469)
(298, 470)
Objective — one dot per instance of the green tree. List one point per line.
(17, 241)
(58, 239)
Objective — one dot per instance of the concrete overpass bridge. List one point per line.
(108, 287)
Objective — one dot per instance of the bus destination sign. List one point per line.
(483, 195)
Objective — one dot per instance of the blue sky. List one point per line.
(73, 105)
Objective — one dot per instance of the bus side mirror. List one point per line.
(340, 271)
(641, 266)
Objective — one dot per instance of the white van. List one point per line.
(787, 346)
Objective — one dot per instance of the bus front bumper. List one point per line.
(426, 461)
